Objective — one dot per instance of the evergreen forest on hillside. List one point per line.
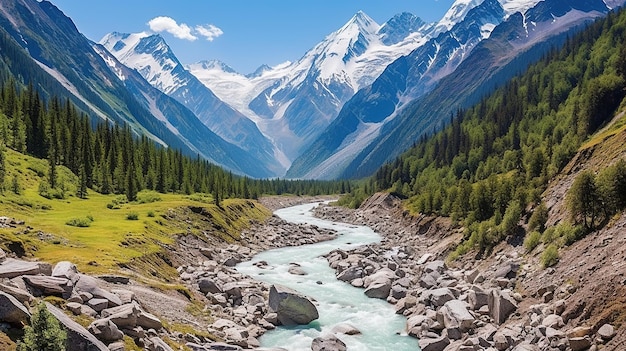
(110, 159)
(494, 160)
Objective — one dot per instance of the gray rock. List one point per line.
(98, 304)
(606, 332)
(378, 290)
(74, 307)
(126, 296)
(124, 316)
(89, 284)
(427, 281)
(456, 315)
(148, 321)
(220, 346)
(438, 344)
(579, 332)
(439, 297)
(105, 330)
(580, 344)
(232, 290)
(351, 274)
(345, 328)
(12, 311)
(295, 270)
(500, 342)
(328, 343)
(553, 321)
(43, 285)
(207, 285)
(22, 296)
(67, 270)
(477, 298)
(435, 266)
(117, 346)
(78, 338)
(501, 305)
(3, 256)
(12, 268)
(291, 307)
(156, 344)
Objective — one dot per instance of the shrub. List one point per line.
(531, 241)
(539, 218)
(150, 213)
(80, 222)
(550, 256)
(132, 216)
(147, 197)
(44, 332)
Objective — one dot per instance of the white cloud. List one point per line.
(168, 24)
(209, 31)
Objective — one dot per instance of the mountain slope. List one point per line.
(57, 47)
(293, 102)
(405, 79)
(154, 60)
(389, 116)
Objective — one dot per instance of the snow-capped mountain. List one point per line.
(150, 55)
(293, 102)
(366, 131)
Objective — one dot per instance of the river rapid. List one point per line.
(337, 302)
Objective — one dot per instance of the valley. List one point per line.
(453, 185)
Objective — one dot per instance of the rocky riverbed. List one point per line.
(472, 305)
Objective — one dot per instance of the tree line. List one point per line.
(493, 161)
(110, 159)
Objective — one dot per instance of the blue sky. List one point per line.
(242, 33)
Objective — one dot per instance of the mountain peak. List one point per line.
(456, 14)
(362, 21)
(399, 27)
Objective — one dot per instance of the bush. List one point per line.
(80, 222)
(531, 241)
(132, 216)
(539, 218)
(550, 256)
(44, 332)
(147, 197)
(150, 213)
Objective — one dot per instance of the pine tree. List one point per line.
(44, 332)
(3, 168)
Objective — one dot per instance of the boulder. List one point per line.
(295, 270)
(44, 285)
(67, 270)
(207, 285)
(124, 316)
(553, 321)
(98, 304)
(220, 346)
(351, 274)
(345, 328)
(105, 330)
(579, 332)
(148, 321)
(117, 346)
(22, 296)
(78, 338)
(580, 344)
(126, 296)
(456, 315)
(378, 290)
(3, 256)
(90, 285)
(606, 332)
(431, 344)
(327, 343)
(439, 297)
(477, 298)
(12, 268)
(12, 311)
(501, 305)
(291, 307)
(435, 266)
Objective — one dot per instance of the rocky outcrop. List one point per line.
(78, 338)
(12, 311)
(291, 307)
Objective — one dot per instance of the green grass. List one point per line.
(110, 240)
